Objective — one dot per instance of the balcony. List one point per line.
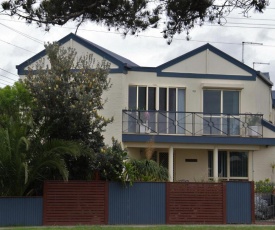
(191, 123)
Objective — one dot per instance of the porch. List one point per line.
(199, 163)
(191, 123)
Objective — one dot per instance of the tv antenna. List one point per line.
(248, 43)
(260, 63)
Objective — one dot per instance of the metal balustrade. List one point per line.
(191, 123)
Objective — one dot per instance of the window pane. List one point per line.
(163, 160)
(211, 125)
(181, 100)
(212, 101)
(172, 99)
(181, 108)
(162, 116)
(152, 98)
(231, 126)
(132, 104)
(154, 156)
(162, 122)
(152, 107)
(142, 98)
(222, 162)
(172, 108)
(210, 163)
(231, 102)
(162, 99)
(238, 164)
(132, 97)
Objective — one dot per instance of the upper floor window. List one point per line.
(221, 112)
(220, 101)
(145, 98)
(142, 98)
(169, 101)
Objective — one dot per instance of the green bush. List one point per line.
(264, 186)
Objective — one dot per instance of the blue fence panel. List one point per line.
(238, 203)
(21, 211)
(141, 203)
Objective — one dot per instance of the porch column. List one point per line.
(171, 164)
(251, 167)
(215, 164)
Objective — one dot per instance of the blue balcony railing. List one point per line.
(191, 123)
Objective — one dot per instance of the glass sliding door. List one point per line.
(221, 112)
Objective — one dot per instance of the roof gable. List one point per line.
(206, 62)
(120, 64)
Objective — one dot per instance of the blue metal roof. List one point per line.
(125, 64)
(124, 60)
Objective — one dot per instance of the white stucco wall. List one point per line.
(185, 170)
(262, 161)
(117, 100)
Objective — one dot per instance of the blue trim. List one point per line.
(198, 139)
(121, 62)
(207, 76)
(20, 68)
(143, 69)
(268, 125)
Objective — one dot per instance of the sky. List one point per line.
(20, 41)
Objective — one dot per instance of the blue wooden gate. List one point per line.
(239, 202)
(141, 203)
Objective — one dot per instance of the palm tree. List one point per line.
(13, 164)
(24, 165)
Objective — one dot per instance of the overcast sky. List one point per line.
(20, 41)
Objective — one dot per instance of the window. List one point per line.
(238, 164)
(171, 118)
(161, 158)
(230, 164)
(221, 111)
(170, 104)
(142, 99)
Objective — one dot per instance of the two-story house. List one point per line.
(203, 115)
